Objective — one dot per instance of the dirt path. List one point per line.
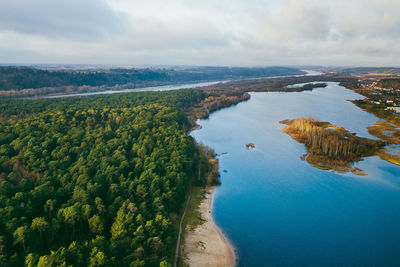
(178, 242)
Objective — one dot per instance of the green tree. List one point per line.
(70, 217)
(31, 260)
(20, 235)
(2, 256)
(40, 224)
(50, 205)
(95, 224)
(97, 258)
(118, 165)
(164, 264)
(44, 261)
(86, 210)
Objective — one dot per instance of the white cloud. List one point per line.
(225, 32)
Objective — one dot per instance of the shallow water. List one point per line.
(278, 210)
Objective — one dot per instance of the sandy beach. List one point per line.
(206, 245)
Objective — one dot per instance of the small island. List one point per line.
(250, 146)
(330, 147)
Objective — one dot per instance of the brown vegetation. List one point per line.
(227, 94)
(331, 147)
(213, 102)
(275, 84)
(389, 133)
(385, 131)
(250, 145)
(370, 72)
(389, 83)
(377, 111)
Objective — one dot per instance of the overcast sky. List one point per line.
(206, 32)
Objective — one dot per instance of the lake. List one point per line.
(277, 210)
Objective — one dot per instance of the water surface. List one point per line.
(177, 86)
(278, 210)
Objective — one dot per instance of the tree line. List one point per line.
(19, 78)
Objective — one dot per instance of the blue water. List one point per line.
(277, 210)
(169, 87)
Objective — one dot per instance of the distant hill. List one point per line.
(372, 71)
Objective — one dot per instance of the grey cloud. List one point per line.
(176, 34)
(295, 20)
(208, 32)
(76, 19)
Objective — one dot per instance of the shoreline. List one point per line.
(197, 242)
(233, 251)
(206, 245)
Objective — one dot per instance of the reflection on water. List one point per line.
(280, 211)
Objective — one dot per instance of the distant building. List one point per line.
(394, 109)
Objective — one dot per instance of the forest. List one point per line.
(30, 81)
(279, 84)
(95, 181)
(27, 77)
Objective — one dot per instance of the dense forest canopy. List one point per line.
(25, 77)
(17, 78)
(94, 181)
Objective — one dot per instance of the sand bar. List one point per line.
(206, 245)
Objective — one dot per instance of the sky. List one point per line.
(206, 32)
